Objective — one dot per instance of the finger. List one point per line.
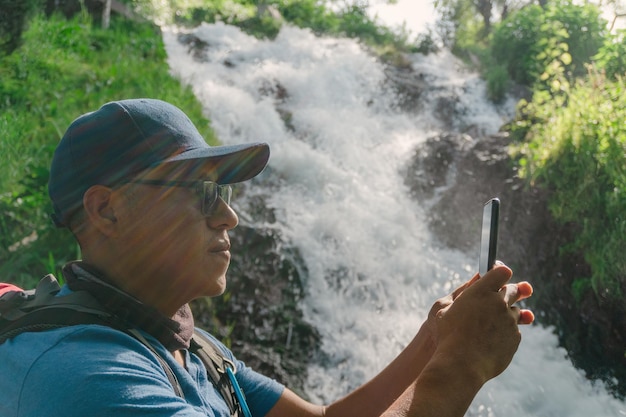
(510, 293)
(525, 290)
(516, 292)
(526, 317)
(495, 279)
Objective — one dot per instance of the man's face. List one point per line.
(173, 253)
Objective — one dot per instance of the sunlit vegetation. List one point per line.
(63, 68)
(576, 146)
(570, 132)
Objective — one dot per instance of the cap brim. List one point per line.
(233, 163)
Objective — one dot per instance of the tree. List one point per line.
(530, 40)
(461, 14)
(485, 8)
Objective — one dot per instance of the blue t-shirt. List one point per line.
(93, 370)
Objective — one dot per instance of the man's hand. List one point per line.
(431, 324)
(477, 325)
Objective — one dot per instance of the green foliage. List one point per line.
(211, 11)
(243, 14)
(426, 44)
(515, 44)
(586, 31)
(529, 41)
(458, 23)
(355, 23)
(580, 287)
(65, 68)
(611, 57)
(28, 245)
(576, 145)
(309, 14)
(531, 44)
(256, 18)
(497, 79)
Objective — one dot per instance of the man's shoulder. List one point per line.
(66, 366)
(72, 349)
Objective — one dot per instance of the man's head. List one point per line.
(122, 139)
(146, 197)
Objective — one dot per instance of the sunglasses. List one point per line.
(208, 191)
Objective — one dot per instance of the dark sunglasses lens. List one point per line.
(209, 201)
(226, 193)
(212, 192)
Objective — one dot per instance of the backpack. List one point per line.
(40, 309)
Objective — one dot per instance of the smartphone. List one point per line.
(489, 236)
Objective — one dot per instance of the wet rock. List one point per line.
(433, 164)
(408, 86)
(259, 315)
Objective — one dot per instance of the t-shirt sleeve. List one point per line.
(261, 392)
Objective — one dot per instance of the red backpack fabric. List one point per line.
(6, 287)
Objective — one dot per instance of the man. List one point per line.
(148, 201)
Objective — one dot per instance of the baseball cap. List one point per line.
(124, 138)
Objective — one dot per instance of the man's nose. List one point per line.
(224, 217)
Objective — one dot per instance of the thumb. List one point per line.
(495, 278)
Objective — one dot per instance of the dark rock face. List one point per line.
(453, 175)
(259, 315)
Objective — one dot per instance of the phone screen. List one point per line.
(489, 236)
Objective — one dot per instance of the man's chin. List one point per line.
(219, 288)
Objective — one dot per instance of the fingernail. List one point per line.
(499, 263)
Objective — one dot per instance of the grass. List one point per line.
(63, 69)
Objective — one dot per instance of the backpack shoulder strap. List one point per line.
(221, 371)
(168, 370)
(40, 309)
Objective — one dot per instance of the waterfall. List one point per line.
(340, 140)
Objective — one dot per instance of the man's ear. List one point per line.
(99, 204)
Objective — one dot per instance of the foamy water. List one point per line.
(339, 146)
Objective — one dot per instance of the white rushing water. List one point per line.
(339, 196)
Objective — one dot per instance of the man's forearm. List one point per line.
(445, 388)
(377, 395)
